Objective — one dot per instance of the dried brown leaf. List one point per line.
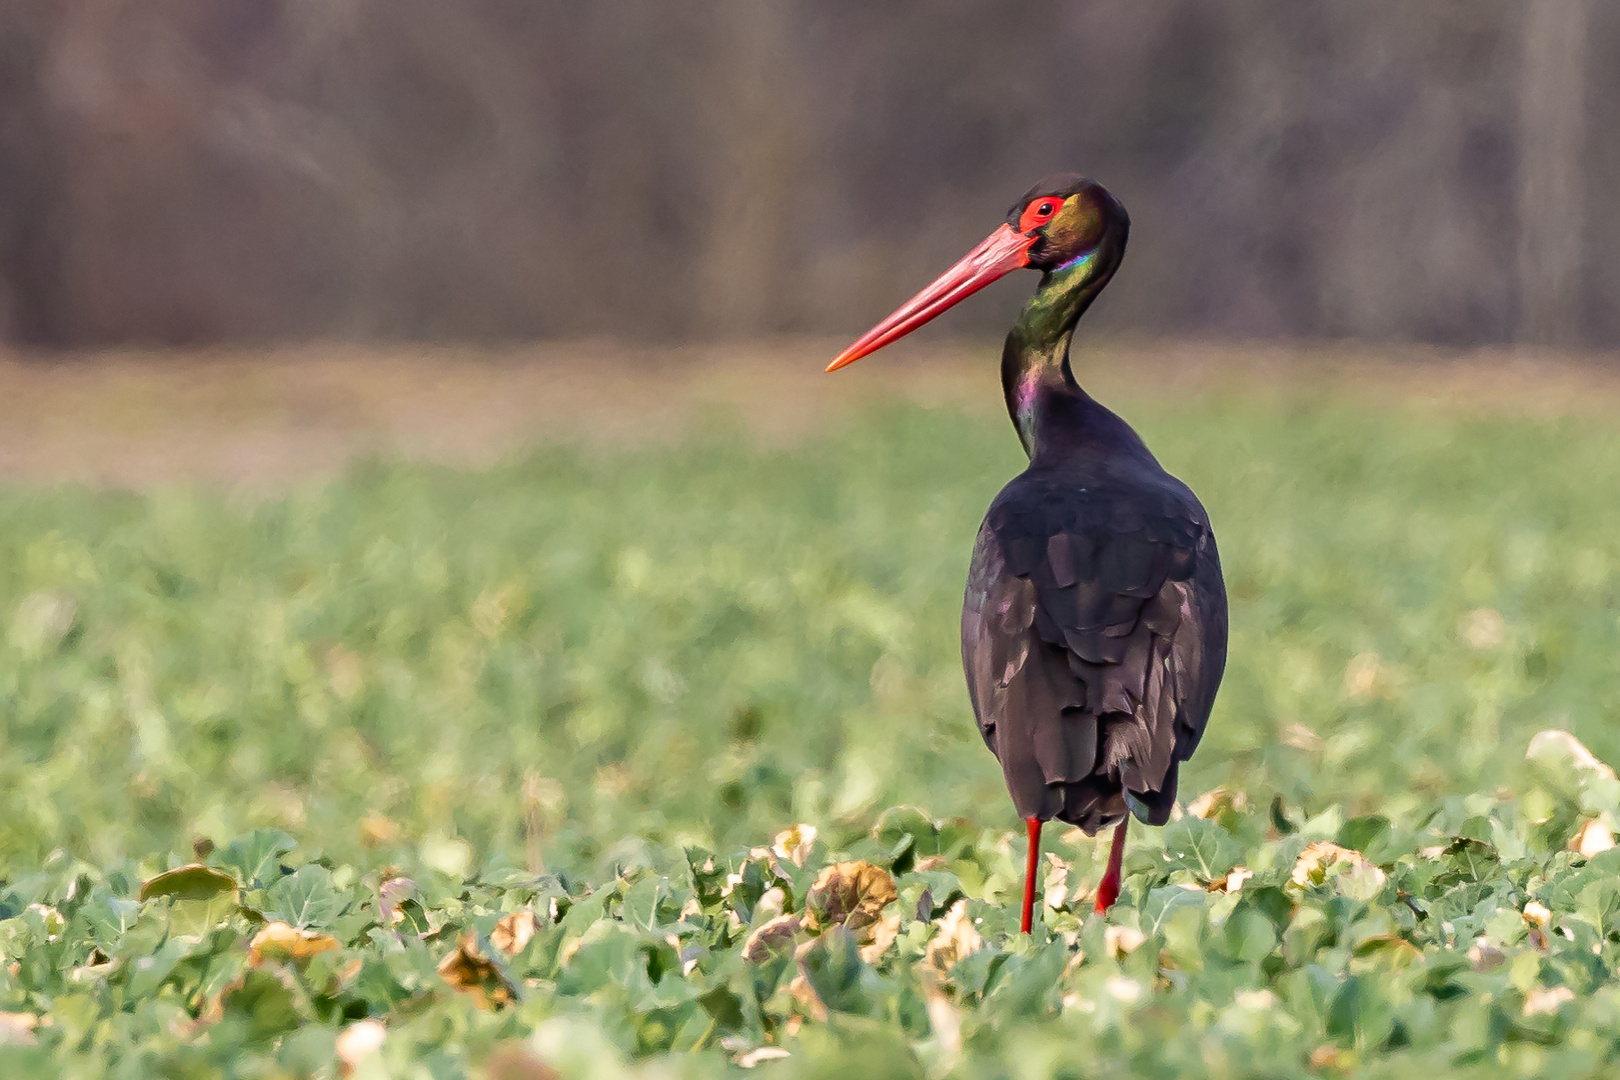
(1483, 629)
(806, 995)
(1301, 737)
(750, 1058)
(377, 831)
(17, 1029)
(1233, 881)
(771, 938)
(1121, 941)
(1362, 676)
(1591, 838)
(852, 895)
(357, 1042)
(1541, 1002)
(1215, 802)
(514, 932)
(1554, 747)
(516, 1061)
(467, 969)
(794, 844)
(884, 931)
(957, 938)
(390, 895)
(1325, 1056)
(1485, 957)
(279, 943)
(1313, 863)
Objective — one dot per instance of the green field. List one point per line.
(588, 682)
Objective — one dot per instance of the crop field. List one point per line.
(637, 749)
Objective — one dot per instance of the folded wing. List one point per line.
(1093, 636)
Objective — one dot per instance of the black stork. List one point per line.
(1094, 625)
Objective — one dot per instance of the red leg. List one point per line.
(1029, 871)
(1108, 891)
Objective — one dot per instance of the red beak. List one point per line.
(1002, 252)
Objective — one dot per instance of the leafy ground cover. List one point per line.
(499, 772)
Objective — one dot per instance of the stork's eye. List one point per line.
(1038, 213)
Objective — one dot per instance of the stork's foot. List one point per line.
(1108, 891)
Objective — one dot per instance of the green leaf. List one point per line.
(907, 834)
(1160, 904)
(263, 1006)
(640, 906)
(305, 899)
(1365, 834)
(1474, 859)
(109, 918)
(1202, 847)
(255, 859)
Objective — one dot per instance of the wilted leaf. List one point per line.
(377, 831)
(359, 1041)
(1540, 1002)
(748, 1059)
(1121, 941)
(513, 932)
(1301, 737)
(851, 894)
(17, 1029)
(281, 944)
(194, 881)
(1591, 838)
(1321, 859)
(517, 1061)
(1483, 956)
(390, 895)
(771, 938)
(957, 938)
(1232, 882)
(883, 933)
(1216, 802)
(1055, 889)
(467, 969)
(795, 844)
(1557, 749)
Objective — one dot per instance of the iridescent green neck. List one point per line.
(1035, 360)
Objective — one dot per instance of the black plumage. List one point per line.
(1094, 628)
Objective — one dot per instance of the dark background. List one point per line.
(202, 171)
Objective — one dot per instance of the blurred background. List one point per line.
(183, 172)
(406, 403)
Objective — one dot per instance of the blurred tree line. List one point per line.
(182, 171)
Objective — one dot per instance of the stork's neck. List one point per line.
(1035, 376)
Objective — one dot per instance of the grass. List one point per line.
(559, 684)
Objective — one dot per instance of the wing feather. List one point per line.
(1093, 637)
